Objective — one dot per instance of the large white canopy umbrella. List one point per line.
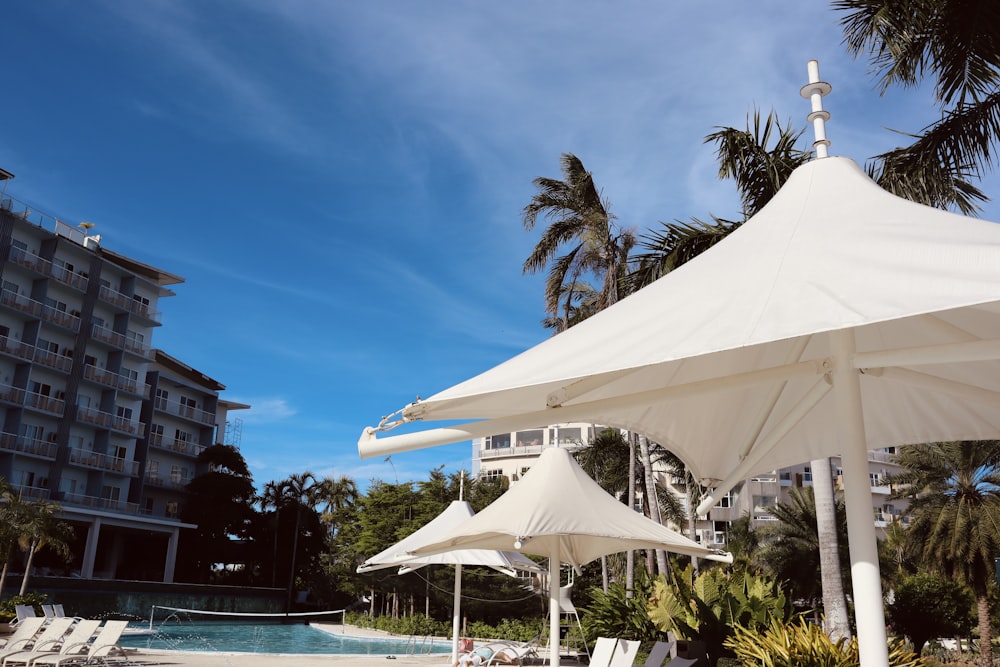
(457, 513)
(556, 510)
(838, 319)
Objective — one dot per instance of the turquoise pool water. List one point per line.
(251, 637)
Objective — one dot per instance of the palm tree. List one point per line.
(792, 546)
(335, 495)
(38, 526)
(955, 43)
(954, 511)
(292, 493)
(579, 218)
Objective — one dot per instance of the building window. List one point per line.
(156, 434)
(807, 474)
(162, 396)
(171, 509)
(188, 406)
(490, 475)
(530, 438)
(500, 441)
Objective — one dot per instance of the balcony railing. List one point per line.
(108, 420)
(126, 302)
(38, 309)
(100, 503)
(176, 445)
(44, 403)
(12, 299)
(112, 379)
(185, 411)
(16, 348)
(98, 461)
(12, 442)
(33, 493)
(178, 483)
(53, 360)
(11, 394)
(48, 268)
(118, 341)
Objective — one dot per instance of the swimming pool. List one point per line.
(226, 637)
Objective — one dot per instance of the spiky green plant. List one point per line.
(803, 644)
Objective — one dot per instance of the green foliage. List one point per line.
(519, 630)
(708, 607)
(613, 614)
(802, 644)
(925, 606)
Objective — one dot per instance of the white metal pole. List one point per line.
(554, 567)
(456, 613)
(873, 646)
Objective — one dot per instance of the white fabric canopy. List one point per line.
(557, 511)
(456, 514)
(838, 319)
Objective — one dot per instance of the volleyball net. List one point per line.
(179, 612)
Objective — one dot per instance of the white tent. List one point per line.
(838, 319)
(456, 514)
(556, 510)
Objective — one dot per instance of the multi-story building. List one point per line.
(512, 454)
(92, 417)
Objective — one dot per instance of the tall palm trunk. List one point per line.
(654, 504)
(834, 603)
(32, 548)
(985, 627)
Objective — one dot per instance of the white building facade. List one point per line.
(92, 416)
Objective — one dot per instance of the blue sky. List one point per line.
(340, 183)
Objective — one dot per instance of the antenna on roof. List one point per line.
(814, 92)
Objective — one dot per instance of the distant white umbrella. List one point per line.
(457, 513)
(557, 511)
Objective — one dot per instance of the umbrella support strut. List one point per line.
(869, 614)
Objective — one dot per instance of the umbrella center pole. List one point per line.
(554, 613)
(868, 610)
(814, 91)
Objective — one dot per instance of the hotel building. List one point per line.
(93, 417)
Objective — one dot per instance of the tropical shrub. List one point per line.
(802, 644)
(36, 600)
(926, 606)
(708, 607)
(614, 614)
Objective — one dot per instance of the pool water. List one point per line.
(271, 638)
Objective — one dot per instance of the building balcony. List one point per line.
(126, 302)
(11, 442)
(45, 267)
(33, 493)
(118, 341)
(174, 483)
(46, 404)
(108, 420)
(98, 461)
(185, 411)
(111, 379)
(9, 394)
(20, 303)
(52, 360)
(16, 348)
(40, 310)
(100, 503)
(176, 445)
(881, 457)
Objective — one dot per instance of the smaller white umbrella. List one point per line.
(557, 511)
(457, 513)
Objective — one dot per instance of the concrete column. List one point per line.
(171, 558)
(90, 550)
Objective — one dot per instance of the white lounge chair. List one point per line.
(625, 653)
(659, 653)
(512, 653)
(73, 646)
(23, 633)
(682, 662)
(49, 637)
(22, 611)
(104, 649)
(604, 650)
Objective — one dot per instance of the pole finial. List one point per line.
(814, 92)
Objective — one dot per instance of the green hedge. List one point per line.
(519, 630)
